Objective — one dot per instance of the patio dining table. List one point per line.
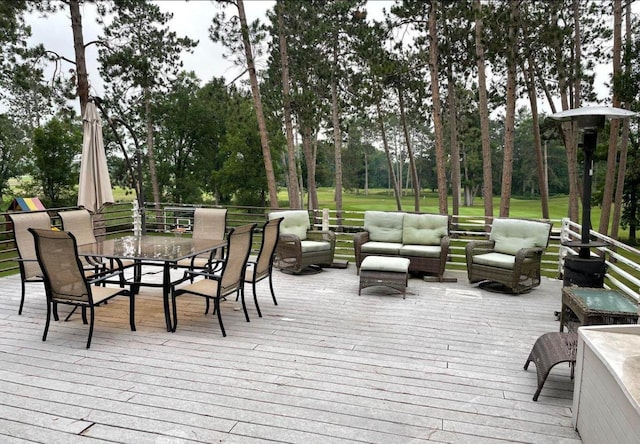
(163, 251)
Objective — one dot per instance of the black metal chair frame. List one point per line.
(255, 273)
(237, 286)
(89, 302)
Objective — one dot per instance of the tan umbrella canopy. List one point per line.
(94, 189)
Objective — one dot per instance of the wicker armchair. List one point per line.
(300, 247)
(511, 257)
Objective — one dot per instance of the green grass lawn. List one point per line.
(384, 200)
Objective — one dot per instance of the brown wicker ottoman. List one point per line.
(384, 271)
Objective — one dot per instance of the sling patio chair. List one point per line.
(262, 267)
(80, 223)
(65, 281)
(27, 260)
(229, 280)
(512, 256)
(208, 223)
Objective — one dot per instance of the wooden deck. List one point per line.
(324, 366)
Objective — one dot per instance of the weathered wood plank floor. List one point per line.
(324, 366)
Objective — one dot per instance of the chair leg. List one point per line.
(84, 315)
(90, 324)
(132, 311)
(255, 299)
(216, 307)
(244, 306)
(174, 310)
(46, 325)
(273, 294)
(21, 299)
(55, 311)
(206, 308)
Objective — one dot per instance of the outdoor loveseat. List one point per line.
(421, 238)
(511, 257)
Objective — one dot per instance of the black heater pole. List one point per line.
(589, 142)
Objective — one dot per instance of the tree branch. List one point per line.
(59, 57)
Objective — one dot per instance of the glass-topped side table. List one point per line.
(595, 306)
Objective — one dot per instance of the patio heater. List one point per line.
(585, 270)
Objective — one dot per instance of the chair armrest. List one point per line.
(288, 247)
(192, 273)
(445, 241)
(102, 275)
(479, 247)
(529, 253)
(322, 235)
(359, 239)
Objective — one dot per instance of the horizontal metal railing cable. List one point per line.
(623, 261)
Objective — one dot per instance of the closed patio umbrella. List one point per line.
(94, 189)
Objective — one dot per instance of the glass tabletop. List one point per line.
(151, 248)
(605, 300)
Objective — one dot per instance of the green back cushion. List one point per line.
(295, 222)
(383, 226)
(510, 235)
(424, 229)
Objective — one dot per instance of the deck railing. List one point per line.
(623, 262)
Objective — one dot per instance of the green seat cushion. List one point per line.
(308, 246)
(295, 222)
(380, 247)
(511, 235)
(499, 260)
(392, 264)
(420, 250)
(424, 229)
(384, 226)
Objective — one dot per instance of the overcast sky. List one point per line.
(192, 19)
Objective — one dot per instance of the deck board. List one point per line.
(324, 365)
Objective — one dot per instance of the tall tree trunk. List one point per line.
(510, 118)
(453, 138)
(487, 185)
(607, 193)
(82, 79)
(310, 160)
(293, 189)
(337, 134)
(366, 173)
(257, 100)
(624, 139)
(437, 116)
(412, 159)
(569, 129)
(155, 189)
(533, 101)
(392, 172)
